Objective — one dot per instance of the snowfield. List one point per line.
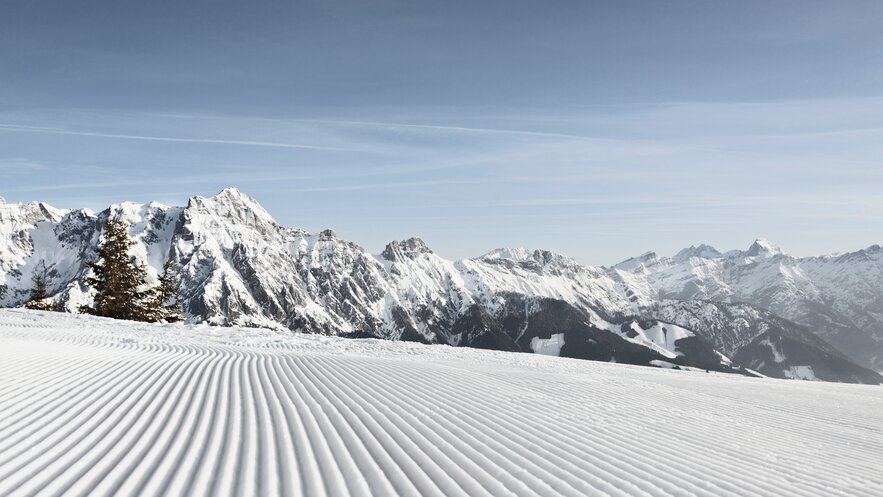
(91, 406)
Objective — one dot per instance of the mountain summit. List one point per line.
(763, 248)
(238, 266)
(838, 297)
(702, 251)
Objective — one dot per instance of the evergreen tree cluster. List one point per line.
(120, 282)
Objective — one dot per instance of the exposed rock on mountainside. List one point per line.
(760, 340)
(838, 297)
(238, 266)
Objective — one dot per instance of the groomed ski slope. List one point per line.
(100, 407)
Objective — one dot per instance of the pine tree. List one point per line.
(138, 294)
(164, 304)
(119, 282)
(39, 296)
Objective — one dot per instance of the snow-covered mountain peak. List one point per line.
(702, 251)
(859, 256)
(763, 248)
(234, 206)
(232, 197)
(29, 213)
(327, 235)
(511, 253)
(549, 258)
(410, 248)
(635, 263)
(528, 259)
(232, 192)
(838, 297)
(130, 212)
(236, 265)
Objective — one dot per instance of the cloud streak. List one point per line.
(452, 129)
(686, 173)
(211, 180)
(249, 143)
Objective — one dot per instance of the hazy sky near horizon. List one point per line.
(597, 129)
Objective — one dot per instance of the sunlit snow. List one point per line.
(91, 406)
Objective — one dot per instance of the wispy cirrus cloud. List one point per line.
(208, 141)
(21, 166)
(681, 170)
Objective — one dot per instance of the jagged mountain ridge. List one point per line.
(237, 265)
(839, 297)
(760, 340)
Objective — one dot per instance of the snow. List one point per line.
(514, 254)
(800, 373)
(663, 364)
(660, 337)
(238, 266)
(102, 407)
(778, 356)
(835, 296)
(763, 248)
(702, 251)
(547, 346)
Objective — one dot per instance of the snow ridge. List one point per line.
(839, 297)
(238, 266)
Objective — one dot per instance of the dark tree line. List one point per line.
(120, 282)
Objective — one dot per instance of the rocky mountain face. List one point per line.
(838, 297)
(236, 265)
(762, 341)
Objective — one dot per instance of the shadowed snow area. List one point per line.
(90, 406)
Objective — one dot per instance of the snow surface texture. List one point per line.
(90, 406)
(238, 266)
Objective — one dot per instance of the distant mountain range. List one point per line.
(755, 311)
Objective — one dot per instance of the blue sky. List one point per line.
(595, 129)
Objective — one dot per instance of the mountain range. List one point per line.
(753, 312)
